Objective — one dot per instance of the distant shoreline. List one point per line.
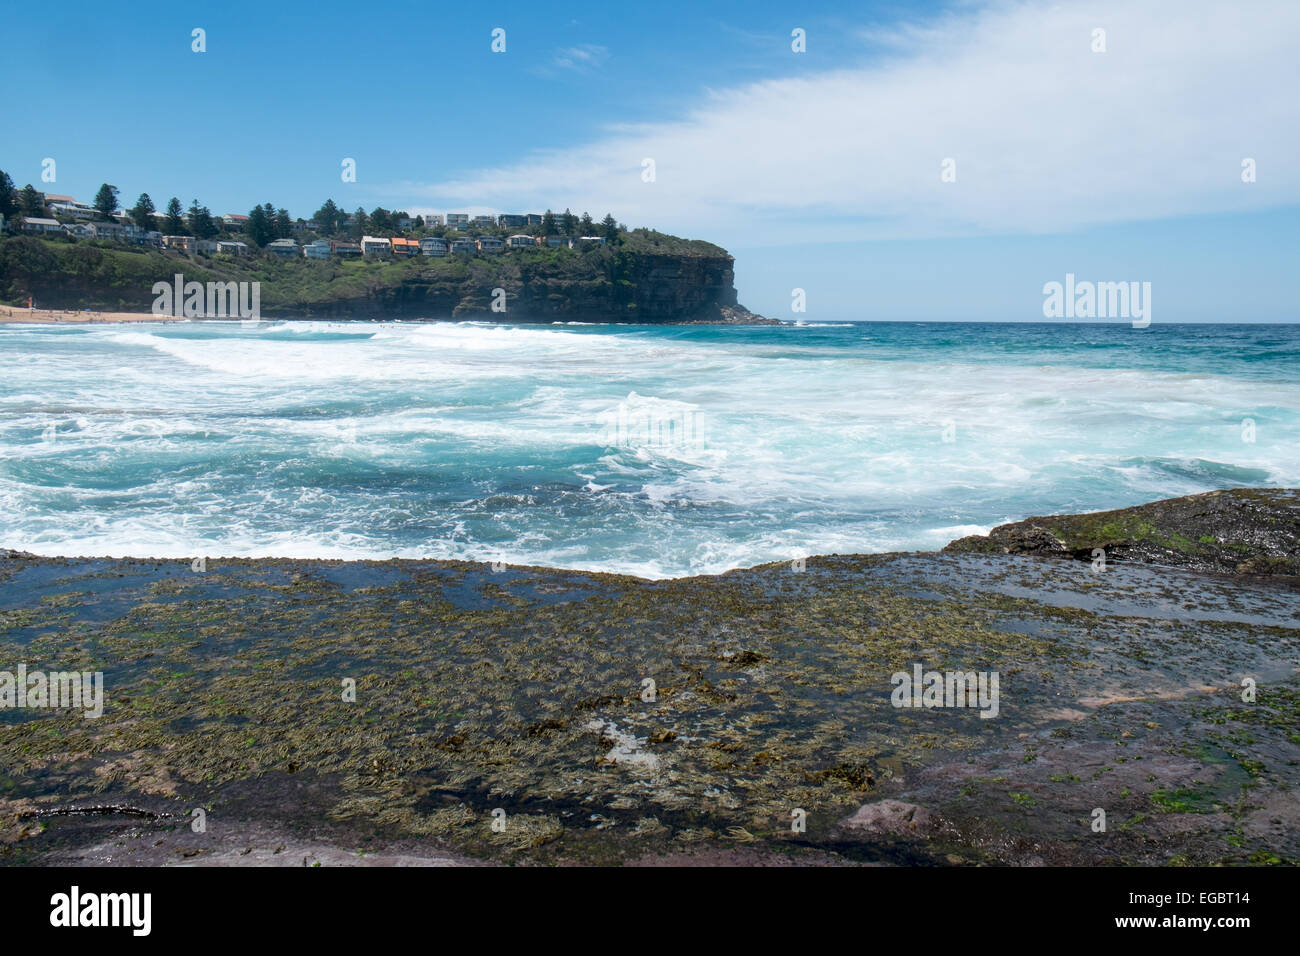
(21, 316)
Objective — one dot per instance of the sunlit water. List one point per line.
(735, 445)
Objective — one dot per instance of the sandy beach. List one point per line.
(75, 317)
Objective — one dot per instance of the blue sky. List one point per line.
(818, 170)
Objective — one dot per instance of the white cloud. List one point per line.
(1047, 135)
(585, 56)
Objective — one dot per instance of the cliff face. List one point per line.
(617, 287)
(634, 283)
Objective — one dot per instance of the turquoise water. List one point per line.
(734, 446)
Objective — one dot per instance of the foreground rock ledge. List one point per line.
(520, 690)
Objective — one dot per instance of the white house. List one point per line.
(433, 246)
(521, 242)
(463, 245)
(457, 220)
(320, 249)
(285, 248)
(78, 210)
(490, 244)
(375, 247)
(232, 248)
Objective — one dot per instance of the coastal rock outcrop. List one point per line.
(1240, 531)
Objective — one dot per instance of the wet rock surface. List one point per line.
(1239, 531)
(505, 716)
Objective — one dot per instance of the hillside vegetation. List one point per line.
(645, 277)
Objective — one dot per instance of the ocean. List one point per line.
(655, 451)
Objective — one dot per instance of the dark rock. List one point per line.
(1240, 531)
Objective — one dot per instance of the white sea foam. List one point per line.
(461, 440)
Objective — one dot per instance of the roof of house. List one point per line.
(40, 222)
(51, 197)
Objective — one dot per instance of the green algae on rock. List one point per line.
(500, 714)
(1240, 531)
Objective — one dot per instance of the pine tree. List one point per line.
(142, 212)
(327, 218)
(381, 221)
(8, 201)
(260, 227)
(31, 202)
(106, 201)
(201, 224)
(174, 225)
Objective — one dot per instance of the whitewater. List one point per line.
(504, 443)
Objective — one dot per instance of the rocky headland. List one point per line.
(644, 279)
